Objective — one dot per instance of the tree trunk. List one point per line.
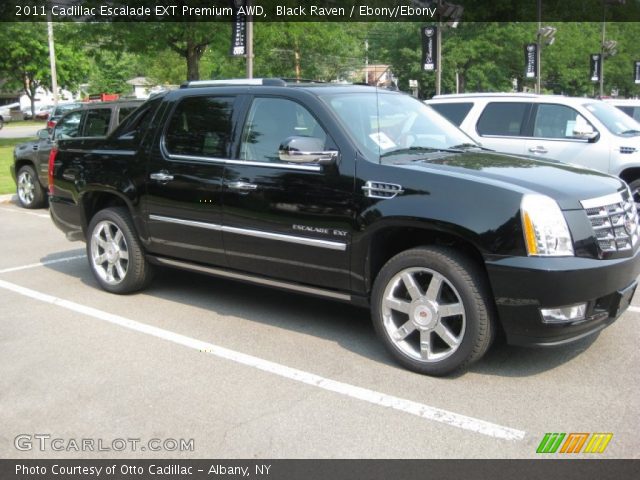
(193, 61)
(31, 93)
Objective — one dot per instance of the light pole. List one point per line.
(453, 12)
(249, 42)
(545, 36)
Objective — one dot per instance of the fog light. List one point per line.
(570, 313)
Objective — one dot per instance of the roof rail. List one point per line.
(271, 82)
(300, 80)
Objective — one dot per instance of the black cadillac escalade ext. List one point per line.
(354, 194)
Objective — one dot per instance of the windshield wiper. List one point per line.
(466, 146)
(400, 151)
(629, 131)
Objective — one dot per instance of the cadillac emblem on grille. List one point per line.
(614, 220)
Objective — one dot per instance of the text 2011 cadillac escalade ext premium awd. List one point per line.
(354, 194)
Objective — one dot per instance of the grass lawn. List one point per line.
(25, 123)
(6, 159)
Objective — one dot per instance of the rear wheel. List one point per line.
(431, 309)
(115, 253)
(30, 193)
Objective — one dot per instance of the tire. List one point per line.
(115, 254)
(438, 330)
(30, 192)
(1, 123)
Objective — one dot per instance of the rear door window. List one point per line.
(505, 119)
(454, 112)
(201, 127)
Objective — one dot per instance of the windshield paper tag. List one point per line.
(382, 140)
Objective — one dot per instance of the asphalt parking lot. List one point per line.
(251, 372)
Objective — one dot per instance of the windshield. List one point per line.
(616, 121)
(391, 125)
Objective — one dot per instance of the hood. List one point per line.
(564, 183)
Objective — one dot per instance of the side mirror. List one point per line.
(43, 134)
(306, 150)
(586, 132)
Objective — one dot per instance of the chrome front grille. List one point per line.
(614, 220)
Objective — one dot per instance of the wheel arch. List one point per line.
(630, 174)
(390, 239)
(91, 202)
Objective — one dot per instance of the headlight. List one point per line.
(545, 230)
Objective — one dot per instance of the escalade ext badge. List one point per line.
(374, 189)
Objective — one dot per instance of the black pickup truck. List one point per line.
(355, 194)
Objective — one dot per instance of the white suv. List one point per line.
(581, 131)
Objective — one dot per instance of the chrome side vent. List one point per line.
(614, 219)
(381, 189)
(628, 150)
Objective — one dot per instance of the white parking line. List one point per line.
(25, 212)
(377, 398)
(42, 264)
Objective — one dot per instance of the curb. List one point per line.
(9, 198)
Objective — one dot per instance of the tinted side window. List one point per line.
(270, 122)
(557, 121)
(201, 126)
(96, 123)
(454, 112)
(502, 118)
(124, 112)
(68, 125)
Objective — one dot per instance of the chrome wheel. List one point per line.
(26, 187)
(109, 252)
(423, 314)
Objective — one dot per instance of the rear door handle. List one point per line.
(538, 149)
(161, 176)
(242, 186)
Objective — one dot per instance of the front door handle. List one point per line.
(242, 186)
(161, 176)
(538, 149)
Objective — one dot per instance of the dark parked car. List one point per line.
(356, 194)
(30, 159)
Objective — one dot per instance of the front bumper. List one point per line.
(12, 169)
(523, 285)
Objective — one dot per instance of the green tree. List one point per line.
(24, 58)
(315, 50)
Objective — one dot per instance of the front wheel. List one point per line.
(431, 308)
(30, 193)
(115, 253)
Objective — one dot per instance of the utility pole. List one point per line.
(52, 61)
